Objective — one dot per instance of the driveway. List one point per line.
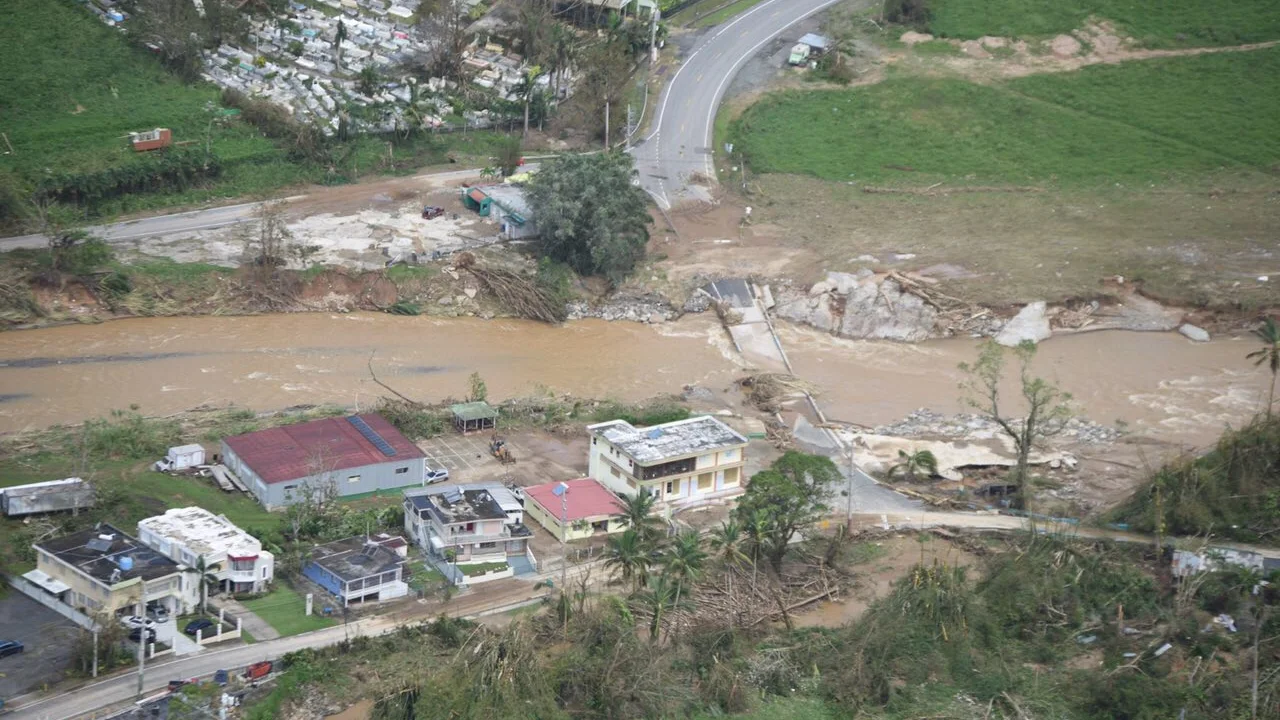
(169, 633)
(48, 638)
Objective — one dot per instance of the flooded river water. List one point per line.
(1159, 383)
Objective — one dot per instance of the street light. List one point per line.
(561, 490)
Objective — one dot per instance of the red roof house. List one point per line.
(355, 455)
(588, 508)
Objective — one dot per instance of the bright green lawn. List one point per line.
(283, 609)
(1155, 23)
(478, 569)
(1148, 121)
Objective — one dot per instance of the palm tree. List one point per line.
(525, 88)
(339, 36)
(628, 558)
(1269, 353)
(911, 464)
(369, 83)
(205, 575)
(658, 598)
(636, 511)
(727, 541)
(683, 563)
(756, 527)
(561, 55)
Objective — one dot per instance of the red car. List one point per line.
(431, 212)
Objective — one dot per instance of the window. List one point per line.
(729, 455)
(704, 482)
(487, 546)
(264, 572)
(353, 479)
(401, 471)
(673, 487)
(631, 483)
(731, 477)
(614, 471)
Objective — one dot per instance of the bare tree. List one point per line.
(1047, 406)
(270, 244)
(444, 23)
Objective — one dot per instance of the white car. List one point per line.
(135, 622)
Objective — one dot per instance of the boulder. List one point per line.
(446, 300)
(1194, 333)
(1029, 324)
(1064, 46)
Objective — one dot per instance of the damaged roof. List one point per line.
(669, 441)
(291, 452)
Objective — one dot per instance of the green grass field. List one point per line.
(1152, 121)
(1155, 23)
(283, 609)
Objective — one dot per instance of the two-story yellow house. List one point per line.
(105, 569)
(682, 464)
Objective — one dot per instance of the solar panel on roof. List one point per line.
(98, 545)
(371, 435)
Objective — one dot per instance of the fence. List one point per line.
(53, 604)
(221, 634)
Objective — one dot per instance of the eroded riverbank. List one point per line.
(1156, 384)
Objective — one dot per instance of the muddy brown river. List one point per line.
(1158, 383)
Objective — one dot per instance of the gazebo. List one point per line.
(468, 417)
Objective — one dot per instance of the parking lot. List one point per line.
(467, 456)
(48, 638)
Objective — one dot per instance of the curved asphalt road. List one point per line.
(680, 142)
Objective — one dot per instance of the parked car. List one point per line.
(432, 212)
(10, 647)
(136, 635)
(197, 625)
(159, 613)
(175, 685)
(435, 476)
(258, 670)
(135, 622)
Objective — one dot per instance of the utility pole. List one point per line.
(606, 124)
(653, 34)
(848, 526)
(563, 491)
(95, 653)
(143, 638)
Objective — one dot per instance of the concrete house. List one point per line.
(348, 456)
(588, 508)
(105, 569)
(187, 535)
(507, 205)
(360, 569)
(683, 463)
(480, 524)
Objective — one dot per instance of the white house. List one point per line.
(186, 535)
(683, 463)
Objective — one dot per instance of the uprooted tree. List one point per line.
(590, 215)
(1047, 407)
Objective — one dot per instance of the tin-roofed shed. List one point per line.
(472, 416)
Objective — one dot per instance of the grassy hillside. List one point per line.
(1155, 23)
(1232, 491)
(1149, 121)
(70, 87)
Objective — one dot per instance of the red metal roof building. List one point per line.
(589, 508)
(355, 455)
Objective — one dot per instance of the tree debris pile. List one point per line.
(769, 391)
(518, 294)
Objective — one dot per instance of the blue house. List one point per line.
(360, 569)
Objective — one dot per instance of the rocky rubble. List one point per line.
(637, 308)
(862, 306)
(927, 423)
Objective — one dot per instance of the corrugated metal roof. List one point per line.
(586, 499)
(295, 451)
(478, 195)
(473, 411)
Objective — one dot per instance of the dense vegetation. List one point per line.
(1232, 491)
(1053, 629)
(1149, 121)
(1155, 23)
(590, 215)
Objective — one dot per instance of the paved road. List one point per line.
(95, 698)
(680, 142)
(194, 220)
